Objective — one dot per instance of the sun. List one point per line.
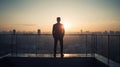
(67, 25)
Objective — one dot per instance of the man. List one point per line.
(58, 34)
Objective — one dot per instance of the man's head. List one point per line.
(58, 19)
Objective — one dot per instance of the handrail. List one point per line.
(93, 37)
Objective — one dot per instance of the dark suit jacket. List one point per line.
(58, 31)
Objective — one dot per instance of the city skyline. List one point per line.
(88, 15)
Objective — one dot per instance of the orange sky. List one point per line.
(30, 15)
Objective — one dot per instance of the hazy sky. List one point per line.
(30, 15)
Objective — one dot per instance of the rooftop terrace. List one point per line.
(80, 50)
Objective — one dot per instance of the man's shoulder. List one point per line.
(54, 24)
(61, 24)
(57, 24)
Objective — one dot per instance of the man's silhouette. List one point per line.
(58, 34)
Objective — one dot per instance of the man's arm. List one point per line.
(53, 30)
(63, 31)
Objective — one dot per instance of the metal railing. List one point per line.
(88, 44)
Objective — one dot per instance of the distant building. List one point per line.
(105, 32)
(14, 31)
(112, 32)
(88, 32)
(39, 31)
(117, 32)
(96, 32)
(81, 31)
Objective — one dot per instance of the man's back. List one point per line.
(58, 30)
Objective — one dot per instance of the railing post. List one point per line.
(108, 50)
(92, 44)
(86, 44)
(39, 32)
(36, 43)
(11, 46)
(37, 38)
(13, 42)
(119, 47)
(16, 45)
(96, 44)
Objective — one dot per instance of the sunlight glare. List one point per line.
(67, 25)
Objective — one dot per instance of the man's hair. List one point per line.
(58, 18)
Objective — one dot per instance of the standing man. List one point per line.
(58, 34)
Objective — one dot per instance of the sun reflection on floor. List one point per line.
(51, 55)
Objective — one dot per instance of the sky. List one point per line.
(76, 15)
